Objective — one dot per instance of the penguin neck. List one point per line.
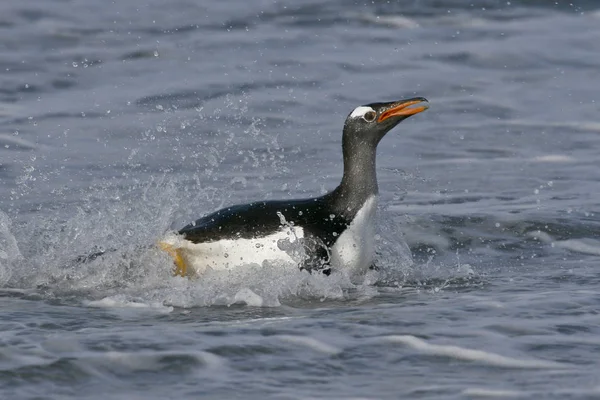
(359, 182)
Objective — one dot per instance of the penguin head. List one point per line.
(370, 123)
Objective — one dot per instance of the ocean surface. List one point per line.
(121, 121)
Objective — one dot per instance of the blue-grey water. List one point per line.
(121, 121)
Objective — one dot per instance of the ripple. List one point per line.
(12, 142)
(464, 354)
(310, 343)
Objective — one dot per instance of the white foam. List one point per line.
(455, 20)
(395, 21)
(121, 301)
(9, 249)
(461, 353)
(260, 286)
(248, 297)
(557, 393)
(584, 245)
(553, 158)
(310, 343)
(493, 393)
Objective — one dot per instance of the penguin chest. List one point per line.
(354, 249)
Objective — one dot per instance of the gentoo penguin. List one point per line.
(331, 232)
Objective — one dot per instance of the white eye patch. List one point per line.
(360, 111)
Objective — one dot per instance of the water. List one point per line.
(122, 121)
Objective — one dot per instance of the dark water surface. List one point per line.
(120, 121)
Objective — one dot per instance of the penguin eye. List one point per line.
(370, 116)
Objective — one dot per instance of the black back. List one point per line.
(319, 217)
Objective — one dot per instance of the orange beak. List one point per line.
(403, 108)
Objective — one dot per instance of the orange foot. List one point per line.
(180, 265)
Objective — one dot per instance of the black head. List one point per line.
(368, 124)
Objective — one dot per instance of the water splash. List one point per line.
(134, 272)
(9, 250)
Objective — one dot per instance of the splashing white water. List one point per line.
(133, 272)
(9, 250)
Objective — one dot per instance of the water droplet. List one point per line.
(155, 53)
(75, 65)
(226, 255)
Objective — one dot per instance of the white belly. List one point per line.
(280, 247)
(353, 251)
(355, 248)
